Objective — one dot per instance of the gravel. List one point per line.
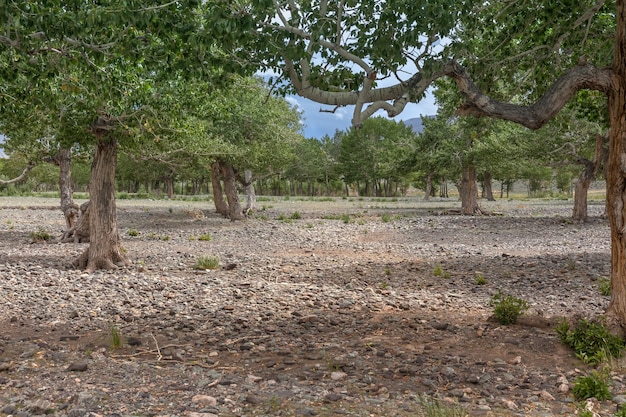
(312, 316)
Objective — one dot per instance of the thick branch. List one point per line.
(536, 115)
(30, 166)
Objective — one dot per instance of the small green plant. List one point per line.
(205, 237)
(207, 262)
(439, 272)
(171, 210)
(296, 215)
(591, 341)
(309, 225)
(165, 238)
(116, 338)
(132, 232)
(507, 308)
(10, 224)
(434, 407)
(387, 271)
(384, 285)
(621, 412)
(595, 385)
(346, 218)
(480, 279)
(604, 286)
(40, 236)
(385, 217)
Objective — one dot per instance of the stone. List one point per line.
(77, 367)
(338, 375)
(204, 400)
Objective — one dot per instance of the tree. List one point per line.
(543, 49)
(105, 57)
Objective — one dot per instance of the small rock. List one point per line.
(338, 375)
(204, 400)
(332, 397)
(77, 367)
(619, 399)
(252, 379)
(546, 395)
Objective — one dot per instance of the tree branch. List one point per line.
(30, 166)
(536, 115)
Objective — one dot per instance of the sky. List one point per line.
(317, 124)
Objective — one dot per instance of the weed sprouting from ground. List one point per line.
(207, 262)
(591, 341)
(507, 308)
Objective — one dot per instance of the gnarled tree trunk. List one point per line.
(104, 251)
(70, 209)
(218, 193)
(230, 188)
(249, 189)
(469, 191)
(616, 179)
(487, 188)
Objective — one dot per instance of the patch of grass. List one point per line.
(385, 217)
(480, 279)
(132, 232)
(604, 286)
(591, 341)
(40, 236)
(116, 338)
(205, 237)
(507, 308)
(595, 384)
(434, 407)
(296, 215)
(439, 272)
(207, 262)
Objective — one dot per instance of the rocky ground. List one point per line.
(357, 308)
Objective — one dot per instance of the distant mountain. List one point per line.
(416, 123)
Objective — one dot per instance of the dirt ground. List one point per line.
(361, 307)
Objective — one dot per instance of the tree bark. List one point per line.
(104, 251)
(230, 188)
(249, 189)
(469, 191)
(429, 186)
(218, 193)
(487, 188)
(616, 178)
(69, 208)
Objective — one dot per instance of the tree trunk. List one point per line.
(250, 194)
(230, 188)
(580, 195)
(68, 207)
(487, 188)
(218, 194)
(169, 185)
(429, 186)
(469, 191)
(616, 178)
(104, 251)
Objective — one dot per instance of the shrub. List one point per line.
(386, 217)
(439, 272)
(40, 236)
(593, 385)
(480, 280)
(207, 262)
(132, 232)
(205, 237)
(296, 215)
(507, 308)
(604, 286)
(591, 340)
